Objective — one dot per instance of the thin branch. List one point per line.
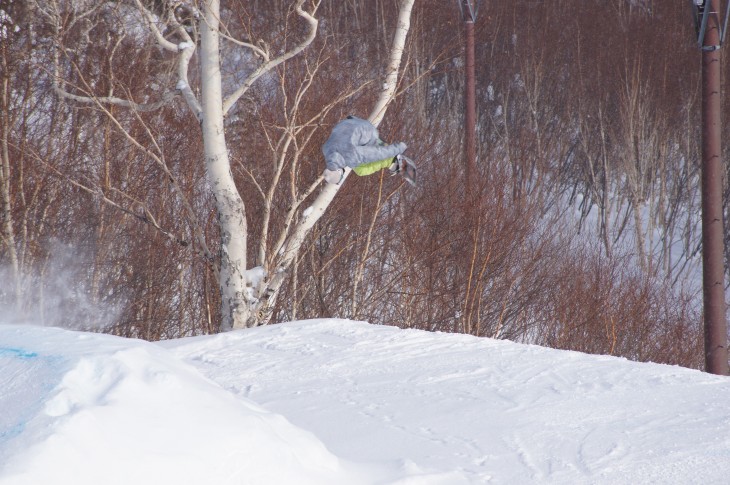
(152, 24)
(257, 50)
(146, 218)
(240, 163)
(126, 103)
(271, 64)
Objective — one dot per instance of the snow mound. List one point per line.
(370, 405)
(81, 408)
(484, 410)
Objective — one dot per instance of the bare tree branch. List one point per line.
(184, 50)
(146, 216)
(270, 64)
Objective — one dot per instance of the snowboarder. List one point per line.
(355, 143)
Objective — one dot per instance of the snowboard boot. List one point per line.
(404, 166)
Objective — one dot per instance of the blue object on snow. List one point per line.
(19, 353)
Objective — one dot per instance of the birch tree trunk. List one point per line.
(229, 205)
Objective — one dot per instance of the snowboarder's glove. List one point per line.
(334, 176)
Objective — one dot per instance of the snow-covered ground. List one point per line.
(342, 402)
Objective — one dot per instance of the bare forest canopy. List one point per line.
(583, 232)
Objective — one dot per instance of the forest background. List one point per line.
(581, 231)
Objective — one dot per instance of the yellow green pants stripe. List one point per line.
(372, 167)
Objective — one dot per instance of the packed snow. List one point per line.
(344, 402)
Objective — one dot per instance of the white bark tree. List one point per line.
(246, 298)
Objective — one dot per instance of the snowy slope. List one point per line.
(490, 410)
(362, 404)
(79, 408)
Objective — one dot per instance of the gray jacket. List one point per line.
(355, 141)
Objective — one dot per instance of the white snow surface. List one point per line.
(344, 402)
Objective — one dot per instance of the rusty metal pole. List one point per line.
(469, 15)
(470, 115)
(713, 258)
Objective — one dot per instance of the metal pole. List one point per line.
(470, 114)
(713, 267)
